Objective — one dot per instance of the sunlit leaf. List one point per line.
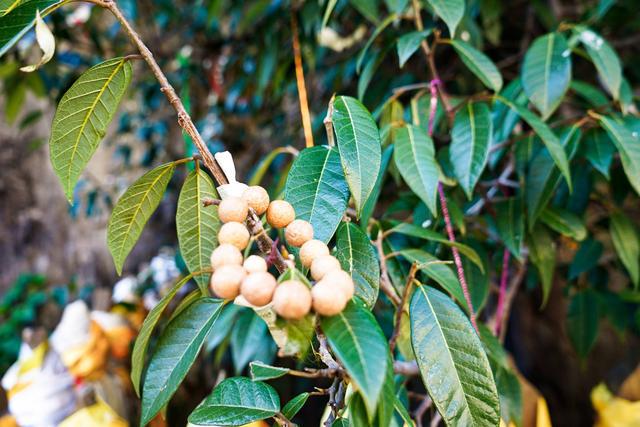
(479, 64)
(451, 12)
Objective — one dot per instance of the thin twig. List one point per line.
(328, 123)
(408, 369)
(302, 89)
(385, 282)
(418, 414)
(400, 309)
(514, 285)
(504, 278)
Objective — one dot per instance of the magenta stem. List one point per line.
(504, 277)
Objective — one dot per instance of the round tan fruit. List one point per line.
(311, 250)
(280, 214)
(257, 198)
(233, 209)
(234, 233)
(328, 298)
(342, 281)
(322, 265)
(292, 300)
(257, 288)
(298, 232)
(255, 264)
(225, 281)
(225, 254)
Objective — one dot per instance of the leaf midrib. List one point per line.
(357, 149)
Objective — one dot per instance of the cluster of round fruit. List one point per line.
(233, 275)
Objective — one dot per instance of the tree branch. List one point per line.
(385, 282)
(401, 307)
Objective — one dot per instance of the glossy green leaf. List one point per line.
(369, 206)
(359, 146)
(510, 224)
(196, 225)
(82, 118)
(452, 361)
(262, 372)
(379, 29)
(358, 342)
(247, 332)
(599, 150)
(546, 72)
(470, 143)
(18, 17)
(141, 344)
(564, 222)
(176, 351)
(414, 156)
(294, 405)
(409, 43)
(542, 252)
(627, 244)
(368, 9)
(133, 210)
(582, 322)
(604, 58)
(236, 401)
(263, 167)
(358, 257)
(628, 146)
(479, 64)
(317, 189)
(585, 258)
(451, 12)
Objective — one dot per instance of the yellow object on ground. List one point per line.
(614, 411)
(8, 421)
(97, 415)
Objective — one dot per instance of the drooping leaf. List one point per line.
(628, 146)
(414, 156)
(627, 244)
(133, 210)
(196, 225)
(408, 44)
(18, 17)
(294, 405)
(452, 361)
(582, 322)
(236, 401)
(358, 257)
(479, 64)
(599, 151)
(317, 189)
(510, 224)
(470, 143)
(604, 58)
(585, 258)
(176, 351)
(451, 12)
(46, 42)
(542, 251)
(359, 146)
(564, 222)
(262, 372)
(358, 342)
(546, 72)
(82, 118)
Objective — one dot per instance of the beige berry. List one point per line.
(257, 288)
(342, 281)
(292, 300)
(257, 198)
(226, 280)
(233, 209)
(225, 254)
(328, 299)
(234, 233)
(311, 250)
(298, 232)
(255, 264)
(322, 265)
(280, 214)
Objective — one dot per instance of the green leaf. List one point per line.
(317, 190)
(414, 157)
(599, 151)
(197, 226)
(133, 210)
(542, 251)
(263, 167)
(368, 9)
(142, 341)
(470, 142)
(82, 118)
(628, 146)
(236, 401)
(409, 43)
(582, 322)
(369, 206)
(479, 64)
(177, 349)
(359, 146)
(262, 372)
(358, 257)
(547, 136)
(627, 244)
(426, 234)
(294, 405)
(585, 258)
(18, 17)
(546, 72)
(604, 58)
(360, 345)
(293, 337)
(451, 12)
(452, 361)
(510, 224)
(247, 332)
(564, 222)
(379, 29)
